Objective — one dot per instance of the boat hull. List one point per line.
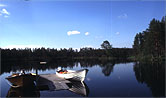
(21, 80)
(74, 75)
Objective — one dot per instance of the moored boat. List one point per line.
(20, 80)
(43, 62)
(78, 75)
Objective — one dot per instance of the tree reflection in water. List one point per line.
(107, 68)
(106, 65)
(153, 74)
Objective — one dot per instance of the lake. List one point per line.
(104, 78)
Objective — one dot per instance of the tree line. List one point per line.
(46, 54)
(150, 44)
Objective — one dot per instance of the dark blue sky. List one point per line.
(76, 24)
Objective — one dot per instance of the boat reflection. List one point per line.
(76, 87)
(79, 88)
(52, 82)
(30, 91)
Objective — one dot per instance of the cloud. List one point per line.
(4, 11)
(72, 32)
(86, 33)
(2, 5)
(117, 33)
(123, 16)
(21, 46)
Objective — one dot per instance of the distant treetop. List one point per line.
(106, 45)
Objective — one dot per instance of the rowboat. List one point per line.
(43, 62)
(20, 80)
(78, 75)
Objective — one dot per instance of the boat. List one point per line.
(78, 75)
(43, 63)
(21, 80)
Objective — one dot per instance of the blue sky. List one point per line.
(76, 24)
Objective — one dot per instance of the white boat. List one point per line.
(43, 62)
(78, 75)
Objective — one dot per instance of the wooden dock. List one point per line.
(51, 82)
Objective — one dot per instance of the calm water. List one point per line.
(104, 79)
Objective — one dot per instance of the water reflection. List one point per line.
(153, 74)
(30, 91)
(79, 88)
(140, 79)
(106, 66)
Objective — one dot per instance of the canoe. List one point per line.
(20, 80)
(73, 75)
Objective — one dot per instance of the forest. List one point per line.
(42, 54)
(150, 44)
